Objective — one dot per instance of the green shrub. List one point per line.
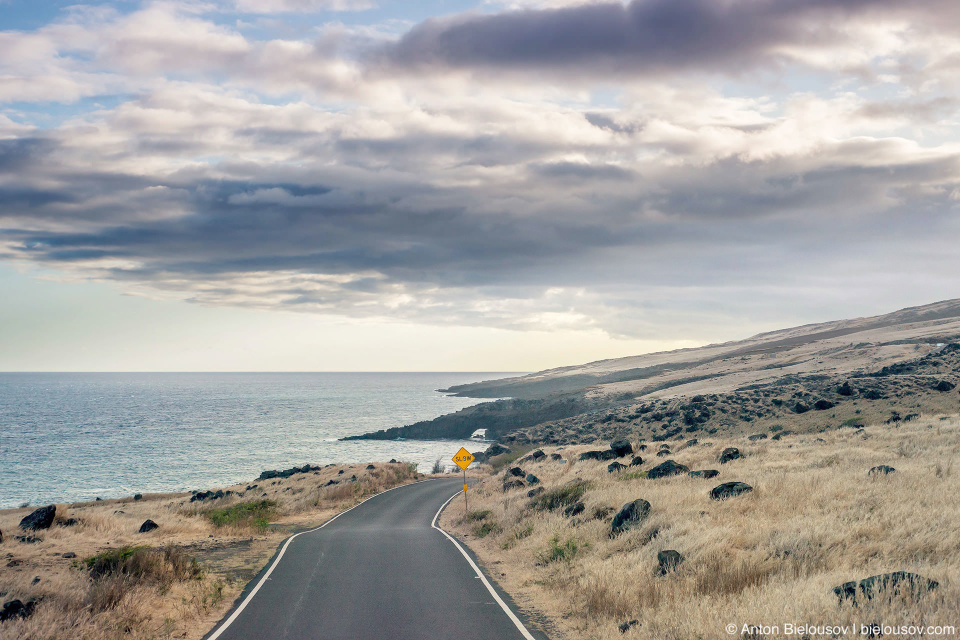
(145, 564)
(485, 529)
(562, 497)
(560, 551)
(255, 514)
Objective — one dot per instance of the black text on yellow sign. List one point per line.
(463, 458)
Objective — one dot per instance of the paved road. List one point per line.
(379, 571)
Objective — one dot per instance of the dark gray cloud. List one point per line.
(643, 37)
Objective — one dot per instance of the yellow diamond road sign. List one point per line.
(463, 458)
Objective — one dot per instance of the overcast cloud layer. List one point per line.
(638, 167)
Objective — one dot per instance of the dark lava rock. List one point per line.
(625, 626)
(207, 495)
(517, 472)
(801, 408)
(392, 461)
(730, 453)
(42, 518)
(823, 405)
(636, 462)
(782, 434)
(532, 479)
(666, 469)
(943, 385)
(495, 450)
(898, 582)
(68, 555)
(574, 509)
(556, 456)
(663, 453)
(668, 561)
(642, 447)
(729, 490)
(370, 466)
(17, 609)
(777, 402)
(615, 467)
(138, 496)
(28, 539)
(536, 455)
(631, 515)
(286, 473)
(331, 482)
(757, 436)
(1, 535)
(882, 469)
(705, 473)
(601, 513)
(845, 389)
(69, 522)
(621, 448)
(533, 493)
(513, 484)
(608, 454)
(692, 442)
(148, 525)
(872, 394)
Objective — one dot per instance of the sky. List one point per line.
(470, 185)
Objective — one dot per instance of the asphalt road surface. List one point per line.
(379, 571)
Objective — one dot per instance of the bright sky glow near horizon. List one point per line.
(486, 185)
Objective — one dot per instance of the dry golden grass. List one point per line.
(814, 521)
(157, 593)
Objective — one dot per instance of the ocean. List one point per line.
(67, 437)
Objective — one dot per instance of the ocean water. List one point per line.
(68, 437)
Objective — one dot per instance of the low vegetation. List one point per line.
(816, 518)
(254, 514)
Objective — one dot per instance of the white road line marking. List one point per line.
(503, 605)
(266, 576)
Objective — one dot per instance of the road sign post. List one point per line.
(463, 458)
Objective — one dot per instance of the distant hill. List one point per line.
(901, 358)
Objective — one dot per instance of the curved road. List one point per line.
(379, 571)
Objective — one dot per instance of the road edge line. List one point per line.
(503, 605)
(243, 605)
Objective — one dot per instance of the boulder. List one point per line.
(872, 394)
(636, 462)
(800, 408)
(781, 434)
(823, 405)
(882, 469)
(370, 466)
(642, 447)
(574, 509)
(68, 555)
(200, 496)
(896, 583)
(138, 496)
(615, 467)
(705, 473)
(666, 469)
(845, 389)
(757, 436)
(556, 456)
(728, 454)
(532, 479)
(608, 454)
(944, 385)
(17, 609)
(533, 493)
(69, 522)
(28, 539)
(667, 561)
(42, 518)
(536, 455)
(516, 472)
(630, 515)
(692, 442)
(495, 450)
(729, 490)
(513, 484)
(1, 536)
(621, 448)
(148, 526)
(626, 625)
(663, 453)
